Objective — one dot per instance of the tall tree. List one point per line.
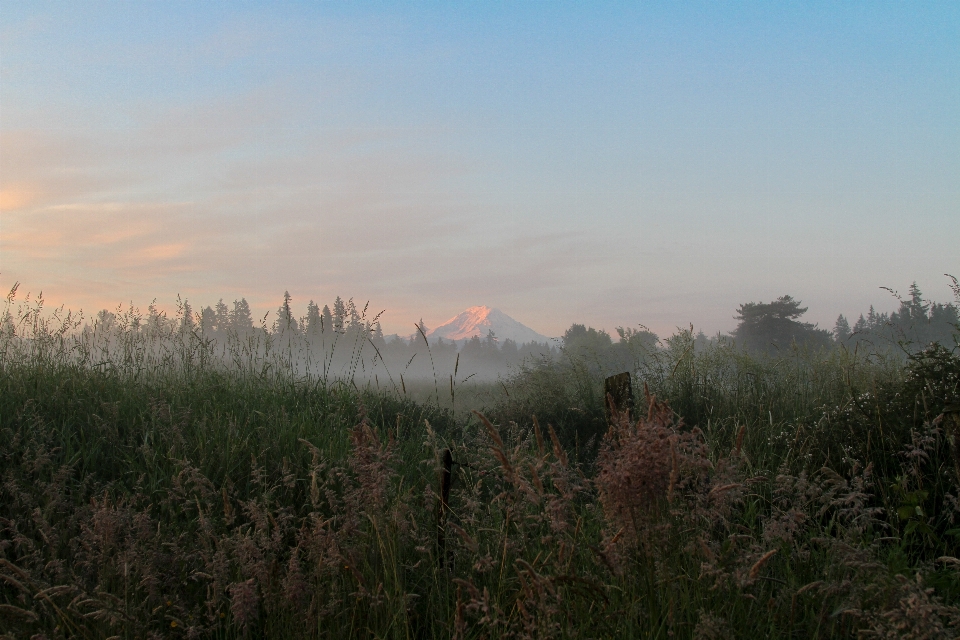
(313, 318)
(421, 332)
(241, 318)
(326, 319)
(208, 319)
(339, 314)
(187, 311)
(221, 316)
(353, 314)
(841, 330)
(581, 340)
(285, 320)
(774, 326)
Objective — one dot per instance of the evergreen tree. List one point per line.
(208, 320)
(353, 315)
(510, 351)
(861, 325)
(916, 307)
(421, 329)
(376, 335)
(285, 320)
(326, 319)
(841, 330)
(472, 349)
(221, 316)
(313, 318)
(241, 318)
(774, 326)
(187, 311)
(339, 314)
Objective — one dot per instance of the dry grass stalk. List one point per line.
(758, 565)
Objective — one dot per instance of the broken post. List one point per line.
(617, 389)
(950, 423)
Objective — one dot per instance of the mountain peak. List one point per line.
(480, 320)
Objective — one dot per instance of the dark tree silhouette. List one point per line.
(774, 326)
(313, 318)
(241, 319)
(285, 320)
(841, 330)
(221, 316)
(326, 319)
(339, 314)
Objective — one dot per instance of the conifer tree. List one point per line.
(208, 319)
(339, 314)
(774, 325)
(353, 314)
(285, 320)
(241, 318)
(841, 330)
(221, 316)
(313, 318)
(326, 319)
(187, 320)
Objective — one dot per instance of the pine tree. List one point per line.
(353, 314)
(376, 336)
(187, 320)
(421, 332)
(221, 317)
(241, 319)
(916, 307)
(208, 320)
(861, 325)
(313, 318)
(339, 314)
(285, 320)
(326, 319)
(774, 325)
(841, 330)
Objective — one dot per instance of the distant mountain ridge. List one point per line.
(478, 321)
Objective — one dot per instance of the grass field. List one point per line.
(150, 490)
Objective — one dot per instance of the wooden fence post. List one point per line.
(951, 426)
(618, 389)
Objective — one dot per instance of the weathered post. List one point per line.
(951, 427)
(617, 390)
(446, 478)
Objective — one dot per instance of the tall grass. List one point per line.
(152, 487)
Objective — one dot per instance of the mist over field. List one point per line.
(343, 342)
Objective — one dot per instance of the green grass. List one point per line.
(146, 489)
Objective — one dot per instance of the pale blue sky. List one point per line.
(606, 163)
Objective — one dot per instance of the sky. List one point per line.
(611, 164)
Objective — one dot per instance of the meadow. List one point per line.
(150, 488)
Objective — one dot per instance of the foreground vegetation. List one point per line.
(148, 491)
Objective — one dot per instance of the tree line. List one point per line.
(345, 339)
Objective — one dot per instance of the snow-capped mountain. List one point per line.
(477, 321)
